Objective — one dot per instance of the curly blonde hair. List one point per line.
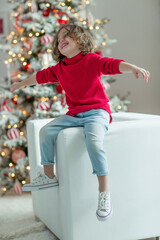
(80, 35)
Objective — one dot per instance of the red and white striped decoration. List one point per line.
(6, 108)
(44, 105)
(27, 45)
(13, 133)
(46, 39)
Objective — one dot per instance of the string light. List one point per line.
(91, 27)
(28, 168)
(54, 98)
(15, 126)
(119, 107)
(30, 34)
(49, 50)
(23, 182)
(21, 133)
(10, 164)
(4, 189)
(9, 126)
(12, 175)
(3, 154)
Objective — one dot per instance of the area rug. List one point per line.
(17, 220)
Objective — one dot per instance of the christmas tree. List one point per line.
(29, 48)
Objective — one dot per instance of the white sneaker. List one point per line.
(104, 210)
(40, 182)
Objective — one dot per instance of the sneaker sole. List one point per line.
(104, 218)
(36, 188)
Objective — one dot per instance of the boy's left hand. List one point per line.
(137, 70)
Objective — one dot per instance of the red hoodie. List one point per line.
(80, 77)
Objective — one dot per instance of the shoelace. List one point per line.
(104, 202)
(39, 175)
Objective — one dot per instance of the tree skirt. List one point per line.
(17, 220)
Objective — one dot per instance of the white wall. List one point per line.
(136, 26)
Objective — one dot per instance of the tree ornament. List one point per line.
(13, 133)
(46, 12)
(99, 53)
(25, 67)
(5, 106)
(46, 39)
(44, 105)
(59, 88)
(18, 154)
(18, 187)
(63, 17)
(106, 86)
(27, 45)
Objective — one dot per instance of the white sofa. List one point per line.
(132, 146)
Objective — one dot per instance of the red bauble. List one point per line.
(26, 66)
(61, 21)
(46, 12)
(18, 154)
(59, 88)
(5, 174)
(99, 53)
(13, 133)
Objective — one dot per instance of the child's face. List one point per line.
(67, 46)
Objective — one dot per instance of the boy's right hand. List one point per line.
(15, 86)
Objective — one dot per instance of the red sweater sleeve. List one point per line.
(109, 65)
(47, 75)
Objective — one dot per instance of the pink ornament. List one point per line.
(106, 86)
(46, 39)
(13, 133)
(18, 187)
(44, 105)
(27, 45)
(18, 154)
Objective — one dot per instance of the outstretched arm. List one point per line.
(27, 82)
(127, 67)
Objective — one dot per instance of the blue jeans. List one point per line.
(95, 123)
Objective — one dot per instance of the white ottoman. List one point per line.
(132, 147)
